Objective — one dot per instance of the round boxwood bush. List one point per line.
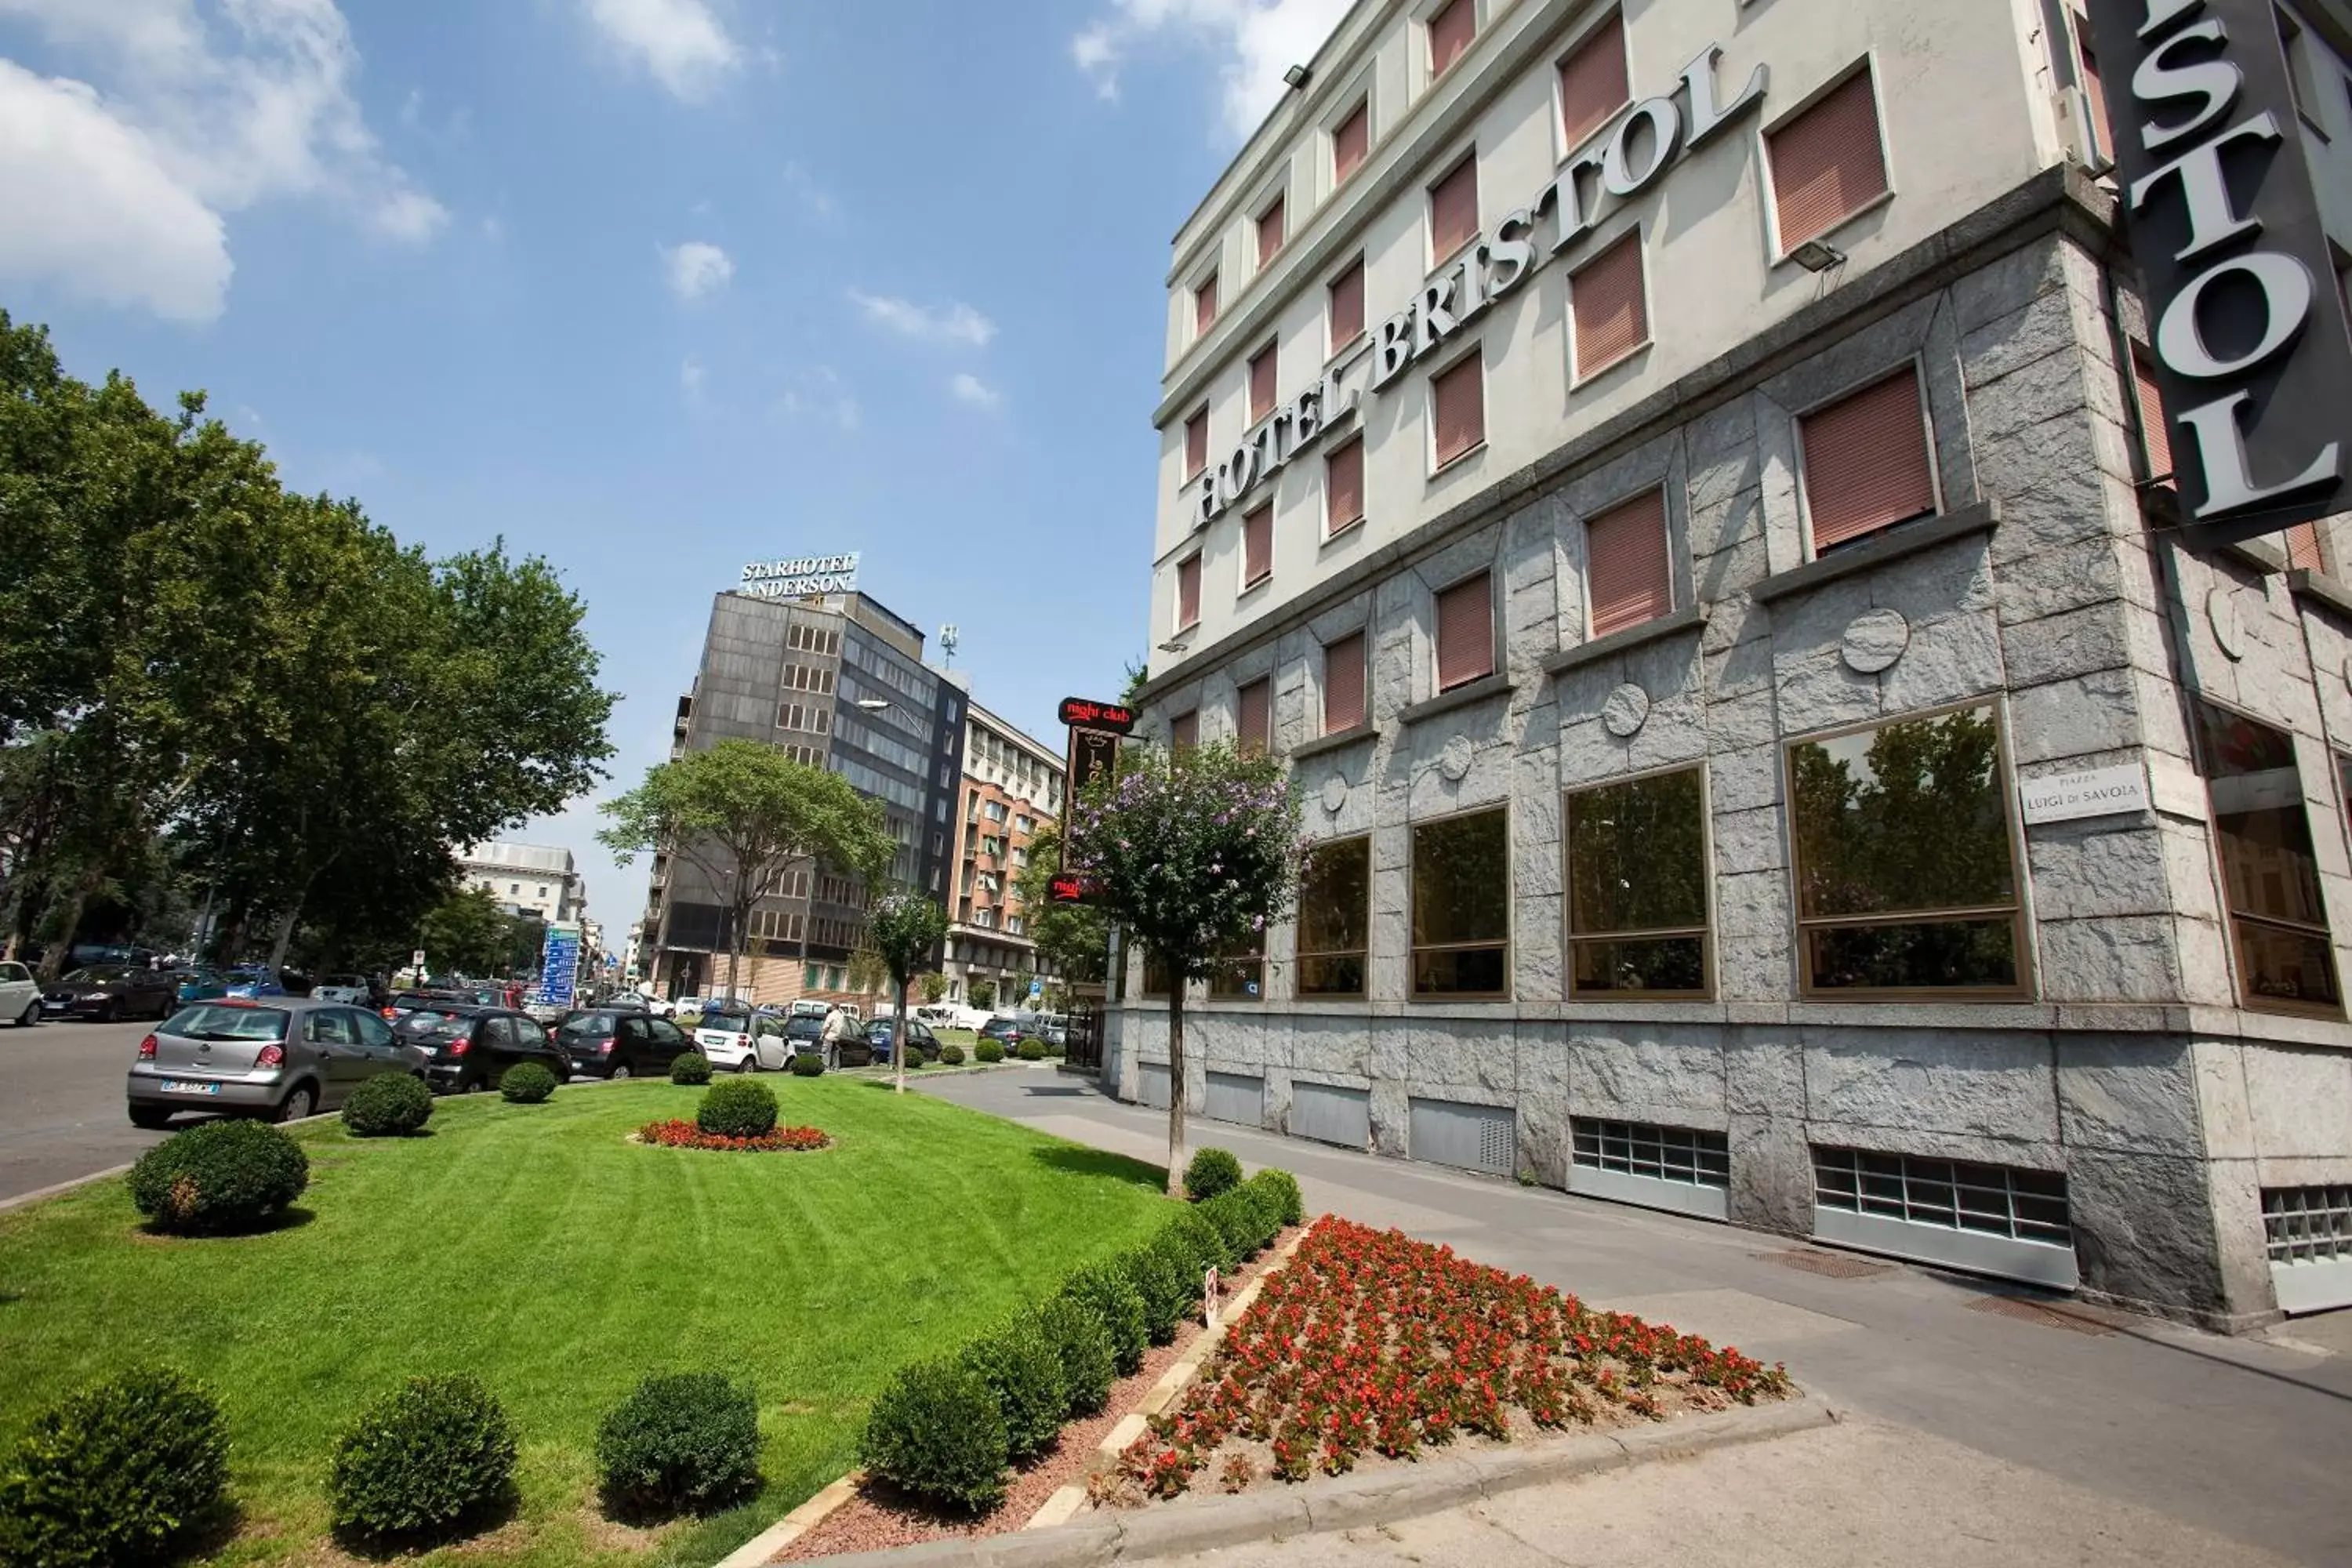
(739, 1107)
(691, 1067)
(423, 1461)
(989, 1051)
(1204, 1240)
(1212, 1172)
(1165, 1282)
(683, 1442)
(1082, 1345)
(952, 1054)
(935, 1431)
(1234, 1213)
(807, 1064)
(389, 1105)
(1111, 1295)
(219, 1176)
(526, 1083)
(1026, 1374)
(1031, 1051)
(1282, 1190)
(121, 1471)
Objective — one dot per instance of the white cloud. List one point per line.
(1256, 39)
(681, 42)
(968, 388)
(955, 322)
(696, 267)
(117, 186)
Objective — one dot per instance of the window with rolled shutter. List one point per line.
(1626, 564)
(1344, 673)
(1257, 546)
(1204, 305)
(1866, 462)
(1611, 318)
(1254, 732)
(1188, 593)
(2094, 86)
(1459, 397)
(1827, 164)
(2303, 547)
(1449, 32)
(1347, 305)
(1262, 368)
(1270, 231)
(1466, 633)
(1594, 81)
(1453, 210)
(1184, 732)
(1352, 138)
(1343, 479)
(2154, 431)
(1196, 443)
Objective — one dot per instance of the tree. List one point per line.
(868, 973)
(906, 930)
(935, 988)
(467, 933)
(1196, 853)
(1073, 938)
(983, 994)
(744, 815)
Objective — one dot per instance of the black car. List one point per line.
(111, 994)
(619, 1042)
(881, 1037)
(1006, 1030)
(468, 1047)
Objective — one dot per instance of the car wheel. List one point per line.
(149, 1118)
(620, 1071)
(32, 1014)
(110, 1013)
(743, 1065)
(301, 1102)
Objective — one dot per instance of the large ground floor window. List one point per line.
(1335, 909)
(1637, 888)
(2270, 880)
(1462, 905)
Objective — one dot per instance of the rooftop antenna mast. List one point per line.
(949, 640)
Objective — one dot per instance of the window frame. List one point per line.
(1705, 933)
(1564, 149)
(1414, 948)
(1211, 284)
(1426, 13)
(1185, 463)
(1664, 491)
(1276, 201)
(1437, 687)
(1332, 343)
(1250, 584)
(1194, 561)
(1438, 261)
(1580, 375)
(1300, 954)
(1269, 355)
(1331, 529)
(1778, 251)
(1864, 383)
(2247, 999)
(1349, 105)
(1362, 636)
(1471, 351)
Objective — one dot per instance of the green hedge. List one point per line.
(1082, 1345)
(123, 1472)
(689, 1068)
(989, 1051)
(1109, 1294)
(1025, 1376)
(807, 1064)
(526, 1083)
(935, 1430)
(1281, 1189)
(424, 1463)
(219, 1176)
(1211, 1173)
(681, 1443)
(739, 1107)
(389, 1105)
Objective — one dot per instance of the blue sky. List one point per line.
(656, 287)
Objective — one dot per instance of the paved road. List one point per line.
(62, 1103)
(2245, 1440)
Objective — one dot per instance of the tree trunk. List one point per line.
(53, 962)
(901, 1037)
(1176, 1086)
(284, 939)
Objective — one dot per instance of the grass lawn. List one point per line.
(533, 1245)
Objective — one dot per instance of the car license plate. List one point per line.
(182, 1086)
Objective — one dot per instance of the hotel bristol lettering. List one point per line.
(1646, 142)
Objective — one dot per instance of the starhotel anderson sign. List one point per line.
(1651, 138)
(2251, 351)
(799, 576)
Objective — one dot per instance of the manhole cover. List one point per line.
(1828, 1265)
(2026, 1312)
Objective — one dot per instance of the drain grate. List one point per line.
(2027, 1311)
(1828, 1265)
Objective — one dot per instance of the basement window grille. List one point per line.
(1663, 1154)
(1957, 1194)
(2307, 1224)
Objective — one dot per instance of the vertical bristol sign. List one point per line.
(2251, 351)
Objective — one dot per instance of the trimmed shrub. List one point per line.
(219, 1176)
(119, 1472)
(682, 1442)
(935, 1431)
(1235, 1216)
(807, 1064)
(526, 1083)
(1026, 1374)
(739, 1107)
(1212, 1172)
(689, 1068)
(1082, 1345)
(915, 1057)
(952, 1054)
(1282, 1188)
(389, 1105)
(989, 1051)
(431, 1457)
(1031, 1051)
(1204, 1240)
(1109, 1292)
(1167, 1283)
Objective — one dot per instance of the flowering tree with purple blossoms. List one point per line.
(1196, 854)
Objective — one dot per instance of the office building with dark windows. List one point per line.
(1697, 494)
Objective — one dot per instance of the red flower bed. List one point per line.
(677, 1134)
(1374, 1340)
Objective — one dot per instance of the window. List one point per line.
(1196, 443)
(1344, 671)
(2298, 68)
(1865, 461)
(1188, 593)
(1270, 231)
(2094, 86)
(1958, 1195)
(1466, 633)
(1613, 319)
(1458, 404)
(1827, 164)
(1343, 488)
(1593, 82)
(1453, 210)
(1626, 564)
(1461, 906)
(1662, 1154)
(1240, 975)
(1263, 366)
(1257, 546)
(1254, 723)
(2269, 881)
(2303, 547)
(2154, 433)
(1335, 902)
(1204, 305)
(1184, 732)
(2307, 1224)
(1347, 306)
(1637, 888)
(1906, 876)
(1352, 138)
(1451, 28)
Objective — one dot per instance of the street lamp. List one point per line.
(873, 704)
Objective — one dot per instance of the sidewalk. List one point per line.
(1989, 1427)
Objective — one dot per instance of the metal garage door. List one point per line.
(1233, 1096)
(1330, 1114)
(1153, 1084)
(1474, 1137)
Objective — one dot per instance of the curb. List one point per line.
(763, 1547)
(1351, 1502)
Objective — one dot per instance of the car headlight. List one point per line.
(93, 996)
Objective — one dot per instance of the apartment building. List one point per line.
(539, 879)
(1012, 788)
(1689, 491)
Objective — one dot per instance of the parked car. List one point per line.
(197, 983)
(20, 996)
(283, 1057)
(253, 981)
(736, 1040)
(619, 1042)
(108, 996)
(882, 1038)
(354, 989)
(1006, 1030)
(468, 1047)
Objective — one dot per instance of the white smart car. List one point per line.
(738, 1040)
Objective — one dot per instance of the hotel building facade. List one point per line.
(1684, 489)
(1012, 790)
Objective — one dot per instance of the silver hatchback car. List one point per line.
(283, 1057)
